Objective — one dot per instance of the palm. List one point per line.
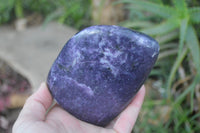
(33, 119)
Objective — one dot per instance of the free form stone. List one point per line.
(100, 70)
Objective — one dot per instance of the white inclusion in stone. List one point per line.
(85, 88)
(123, 60)
(77, 57)
(110, 54)
(87, 32)
(143, 41)
(54, 78)
(92, 32)
(154, 53)
(101, 44)
(118, 40)
(107, 64)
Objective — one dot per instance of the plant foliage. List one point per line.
(75, 13)
(177, 33)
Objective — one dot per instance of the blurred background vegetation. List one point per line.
(173, 89)
(75, 13)
(175, 25)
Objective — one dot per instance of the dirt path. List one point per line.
(31, 52)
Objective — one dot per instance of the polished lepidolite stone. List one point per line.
(100, 70)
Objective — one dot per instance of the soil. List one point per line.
(12, 85)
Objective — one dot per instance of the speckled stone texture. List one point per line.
(99, 71)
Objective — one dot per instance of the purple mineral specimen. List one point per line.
(99, 71)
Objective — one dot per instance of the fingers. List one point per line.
(37, 104)
(126, 120)
(59, 117)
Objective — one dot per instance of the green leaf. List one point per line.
(181, 9)
(192, 99)
(189, 89)
(157, 1)
(137, 24)
(183, 30)
(5, 5)
(167, 53)
(168, 46)
(177, 63)
(182, 119)
(167, 37)
(135, 14)
(193, 44)
(68, 12)
(155, 72)
(194, 14)
(162, 28)
(180, 4)
(52, 16)
(197, 115)
(19, 9)
(158, 9)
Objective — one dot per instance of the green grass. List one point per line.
(75, 13)
(175, 24)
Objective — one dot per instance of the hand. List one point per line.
(35, 119)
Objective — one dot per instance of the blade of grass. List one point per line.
(167, 53)
(192, 99)
(6, 4)
(137, 24)
(195, 116)
(195, 14)
(193, 44)
(52, 16)
(180, 4)
(189, 89)
(155, 72)
(158, 1)
(162, 28)
(177, 63)
(183, 30)
(19, 9)
(167, 37)
(168, 46)
(158, 9)
(152, 103)
(67, 13)
(183, 119)
(135, 13)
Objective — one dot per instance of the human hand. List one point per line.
(34, 117)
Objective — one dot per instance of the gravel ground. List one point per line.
(14, 89)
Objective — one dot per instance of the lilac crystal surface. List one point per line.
(99, 71)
